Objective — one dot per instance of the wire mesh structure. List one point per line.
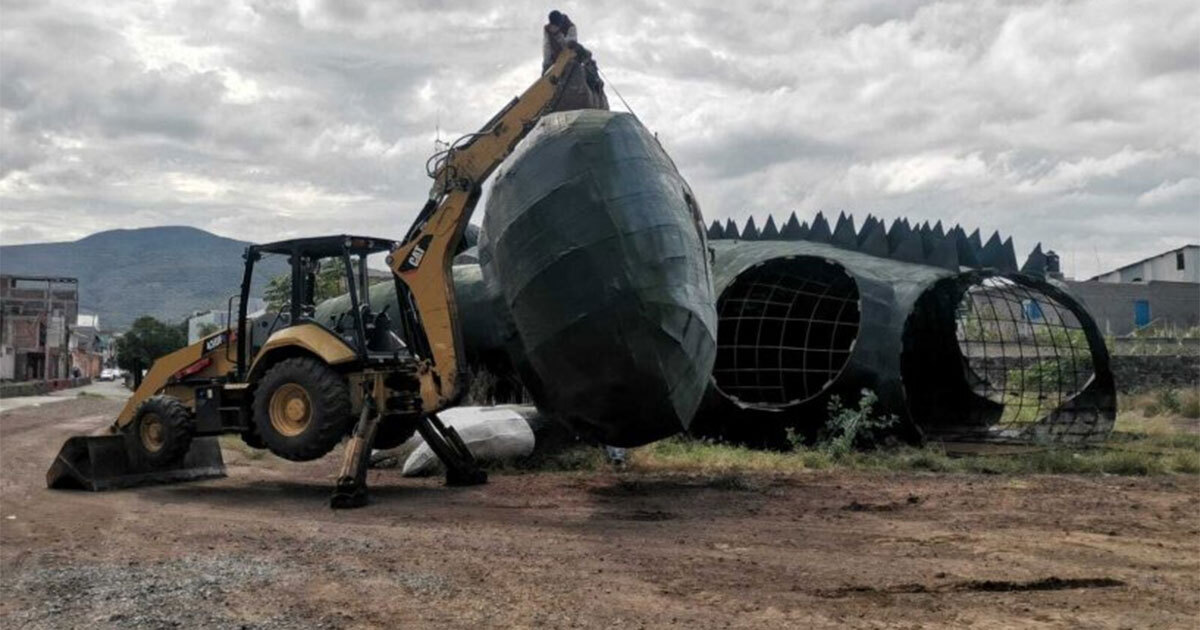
(1021, 349)
(786, 329)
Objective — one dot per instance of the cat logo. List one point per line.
(418, 254)
(212, 343)
(414, 259)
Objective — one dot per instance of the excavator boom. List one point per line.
(423, 260)
(422, 266)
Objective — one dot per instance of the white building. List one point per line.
(89, 351)
(1177, 265)
(203, 323)
(206, 321)
(1160, 292)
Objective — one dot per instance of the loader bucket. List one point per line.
(106, 462)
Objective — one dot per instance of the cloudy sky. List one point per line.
(1071, 123)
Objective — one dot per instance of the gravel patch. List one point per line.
(189, 592)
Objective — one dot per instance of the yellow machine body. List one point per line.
(213, 378)
(309, 337)
(208, 356)
(212, 358)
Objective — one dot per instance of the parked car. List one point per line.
(109, 374)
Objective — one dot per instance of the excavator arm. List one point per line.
(422, 261)
(158, 446)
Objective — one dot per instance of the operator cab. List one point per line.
(365, 328)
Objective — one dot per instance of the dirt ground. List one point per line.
(261, 549)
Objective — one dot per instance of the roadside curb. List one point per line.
(39, 388)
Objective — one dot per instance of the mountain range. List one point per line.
(168, 272)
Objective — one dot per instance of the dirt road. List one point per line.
(260, 549)
(107, 389)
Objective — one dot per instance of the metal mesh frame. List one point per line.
(1022, 349)
(786, 329)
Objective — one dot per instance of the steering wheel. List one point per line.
(282, 309)
(337, 321)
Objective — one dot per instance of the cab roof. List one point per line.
(325, 246)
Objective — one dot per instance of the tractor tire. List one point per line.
(394, 431)
(251, 438)
(162, 430)
(302, 409)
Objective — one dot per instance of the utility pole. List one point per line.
(46, 337)
(68, 323)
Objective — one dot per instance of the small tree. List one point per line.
(145, 341)
(847, 428)
(278, 292)
(207, 329)
(331, 282)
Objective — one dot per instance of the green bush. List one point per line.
(1186, 463)
(1118, 462)
(1046, 375)
(147, 340)
(848, 428)
(1168, 400)
(1190, 406)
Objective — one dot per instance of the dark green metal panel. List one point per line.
(599, 255)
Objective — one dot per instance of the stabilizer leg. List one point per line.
(351, 488)
(461, 467)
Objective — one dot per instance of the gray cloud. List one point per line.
(1071, 124)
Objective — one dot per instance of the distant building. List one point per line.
(91, 350)
(88, 320)
(202, 322)
(1177, 265)
(1160, 292)
(36, 317)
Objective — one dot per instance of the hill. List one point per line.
(167, 272)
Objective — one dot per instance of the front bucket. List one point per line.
(104, 462)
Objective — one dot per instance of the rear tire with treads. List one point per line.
(252, 439)
(302, 409)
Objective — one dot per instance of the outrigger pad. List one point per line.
(105, 462)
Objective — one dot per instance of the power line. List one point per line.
(617, 92)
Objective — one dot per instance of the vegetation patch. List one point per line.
(235, 444)
(1141, 444)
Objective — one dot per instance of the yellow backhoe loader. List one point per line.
(286, 382)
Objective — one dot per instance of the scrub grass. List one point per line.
(1134, 454)
(692, 455)
(1163, 441)
(234, 443)
(1165, 401)
(579, 457)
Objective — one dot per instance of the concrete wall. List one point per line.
(1131, 373)
(8, 362)
(1147, 346)
(1138, 374)
(38, 388)
(1164, 267)
(89, 364)
(1172, 304)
